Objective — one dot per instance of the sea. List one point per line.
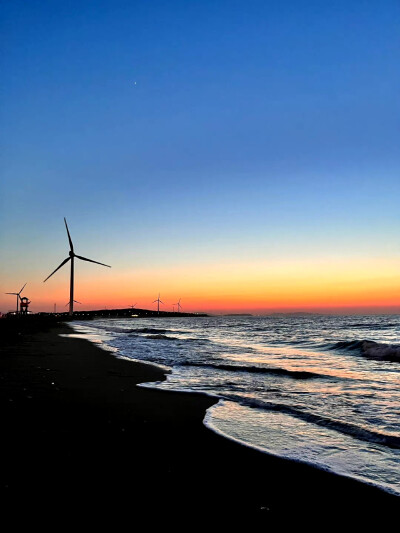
(319, 389)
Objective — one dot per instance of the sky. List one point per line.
(240, 155)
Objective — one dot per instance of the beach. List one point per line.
(80, 439)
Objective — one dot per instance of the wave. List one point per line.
(361, 433)
(156, 336)
(144, 334)
(295, 374)
(371, 349)
(363, 325)
(154, 331)
(136, 331)
(114, 329)
(163, 337)
(157, 331)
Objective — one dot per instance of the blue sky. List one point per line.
(179, 131)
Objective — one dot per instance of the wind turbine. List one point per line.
(133, 306)
(18, 295)
(71, 258)
(179, 305)
(158, 303)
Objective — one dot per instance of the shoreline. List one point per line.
(215, 429)
(77, 424)
(207, 422)
(208, 418)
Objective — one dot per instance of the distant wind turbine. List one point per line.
(158, 303)
(18, 295)
(133, 306)
(71, 258)
(179, 305)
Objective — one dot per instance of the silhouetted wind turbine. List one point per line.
(179, 305)
(158, 303)
(18, 295)
(71, 258)
(133, 306)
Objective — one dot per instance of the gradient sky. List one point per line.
(240, 155)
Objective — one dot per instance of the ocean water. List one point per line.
(324, 390)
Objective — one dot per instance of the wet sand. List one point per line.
(84, 444)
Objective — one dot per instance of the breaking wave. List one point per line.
(371, 349)
(295, 374)
(163, 337)
(155, 336)
(363, 325)
(136, 332)
(153, 331)
(347, 428)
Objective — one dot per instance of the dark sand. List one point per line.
(82, 443)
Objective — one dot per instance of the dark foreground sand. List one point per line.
(82, 444)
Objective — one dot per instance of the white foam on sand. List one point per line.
(281, 435)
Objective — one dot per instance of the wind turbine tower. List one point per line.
(18, 295)
(71, 258)
(179, 305)
(158, 303)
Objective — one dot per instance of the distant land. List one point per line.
(120, 313)
(297, 313)
(237, 314)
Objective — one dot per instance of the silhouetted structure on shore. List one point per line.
(24, 305)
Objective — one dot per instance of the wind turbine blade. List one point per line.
(54, 271)
(22, 288)
(76, 301)
(69, 236)
(91, 261)
(153, 301)
(161, 302)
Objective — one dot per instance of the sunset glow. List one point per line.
(323, 286)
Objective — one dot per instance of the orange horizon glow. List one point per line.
(334, 285)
